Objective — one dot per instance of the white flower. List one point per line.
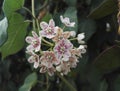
(67, 22)
(62, 49)
(48, 30)
(80, 38)
(35, 42)
(34, 58)
(82, 48)
(73, 33)
(63, 68)
(58, 68)
(50, 71)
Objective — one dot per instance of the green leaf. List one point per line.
(117, 83)
(105, 8)
(71, 2)
(30, 81)
(16, 35)
(9, 6)
(109, 60)
(88, 27)
(3, 28)
(71, 13)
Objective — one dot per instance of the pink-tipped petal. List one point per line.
(30, 48)
(72, 24)
(61, 18)
(42, 33)
(34, 34)
(36, 64)
(43, 69)
(37, 48)
(31, 59)
(43, 25)
(51, 23)
(67, 20)
(29, 39)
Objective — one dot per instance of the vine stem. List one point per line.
(33, 13)
(66, 82)
(28, 11)
(73, 39)
(64, 27)
(47, 42)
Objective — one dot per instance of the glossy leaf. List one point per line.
(88, 27)
(29, 82)
(109, 60)
(16, 34)
(3, 28)
(105, 8)
(10, 6)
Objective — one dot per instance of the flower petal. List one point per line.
(42, 33)
(31, 59)
(61, 18)
(37, 48)
(81, 36)
(73, 33)
(72, 24)
(43, 25)
(51, 23)
(66, 20)
(29, 39)
(30, 48)
(34, 34)
(36, 64)
(43, 69)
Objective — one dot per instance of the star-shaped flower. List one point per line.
(50, 71)
(48, 30)
(80, 38)
(63, 68)
(61, 35)
(35, 42)
(62, 49)
(67, 22)
(48, 59)
(34, 58)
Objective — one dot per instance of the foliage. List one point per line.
(97, 70)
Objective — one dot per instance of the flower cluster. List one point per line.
(52, 50)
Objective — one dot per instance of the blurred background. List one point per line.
(97, 70)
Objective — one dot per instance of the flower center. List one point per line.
(62, 50)
(35, 43)
(49, 31)
(49, 57)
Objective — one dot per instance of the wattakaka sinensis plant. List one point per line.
(42, 43)
(61, 54)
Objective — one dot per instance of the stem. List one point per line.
(44, 5)
(37, 24)
(64, 27)
(66, 82)
(73, 39)
(33, 13)
(28, 11)
(40, 82)
(47, 82)
(47, 42)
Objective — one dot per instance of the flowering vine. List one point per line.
(59, 54)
